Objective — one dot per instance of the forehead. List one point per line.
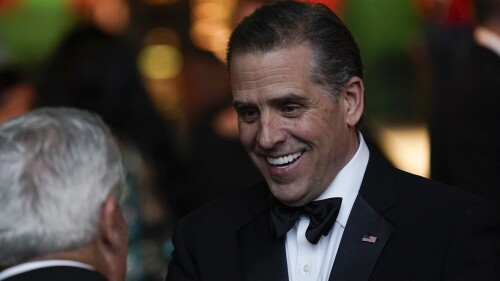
(287, 67)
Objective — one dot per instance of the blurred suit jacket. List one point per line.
(426, 231)
(58, 273)
(465, 126)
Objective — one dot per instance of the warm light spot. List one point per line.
(210, 11)
(207, 26)
(160, 61)
(407, 147)
(219, 40)
(211, 25)
(207, 34)
(110, 15)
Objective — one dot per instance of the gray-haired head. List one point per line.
(57, 167)
(336, 57)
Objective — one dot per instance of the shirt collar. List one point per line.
(28, 266)
(487, 38)
(348, 181)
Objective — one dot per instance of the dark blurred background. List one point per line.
(155, 71)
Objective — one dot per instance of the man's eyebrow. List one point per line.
(240, 105)
(278, 101)
(289, 98)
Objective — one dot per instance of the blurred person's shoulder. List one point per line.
(419, 195)
(444, 200)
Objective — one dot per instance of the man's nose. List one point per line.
(270, 131)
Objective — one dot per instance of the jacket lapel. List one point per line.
(363, 240)
(358, 253)
(263, 255)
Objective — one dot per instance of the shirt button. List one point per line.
(306, 268)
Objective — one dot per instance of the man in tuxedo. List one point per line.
(61, 180)
(330, 207)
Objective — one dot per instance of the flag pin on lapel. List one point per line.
(369, 239)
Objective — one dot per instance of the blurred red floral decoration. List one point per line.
(7, 5)
(334, 5)
(451, 12)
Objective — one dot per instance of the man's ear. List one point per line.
(354, 100)
(113, 239)
(113, 229)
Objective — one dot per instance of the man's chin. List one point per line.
(289, 195)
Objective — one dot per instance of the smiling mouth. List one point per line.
(284, 161)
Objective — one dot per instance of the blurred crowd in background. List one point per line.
(155, 71)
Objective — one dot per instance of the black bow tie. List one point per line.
(322, 215)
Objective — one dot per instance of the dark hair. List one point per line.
(335, 54)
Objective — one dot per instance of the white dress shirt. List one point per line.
(314, 262)
(28, 266)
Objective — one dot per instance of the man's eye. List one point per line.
(291, 110)
(248, 115)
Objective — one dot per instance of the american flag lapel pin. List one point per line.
(369, 239)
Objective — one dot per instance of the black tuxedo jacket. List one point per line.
(58, 273)
(426, 231)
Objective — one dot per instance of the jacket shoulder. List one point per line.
(231, 210)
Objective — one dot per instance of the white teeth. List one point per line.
(284, 160)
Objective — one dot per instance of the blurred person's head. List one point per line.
(17, 93)
(94, 71)
(61, 180)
